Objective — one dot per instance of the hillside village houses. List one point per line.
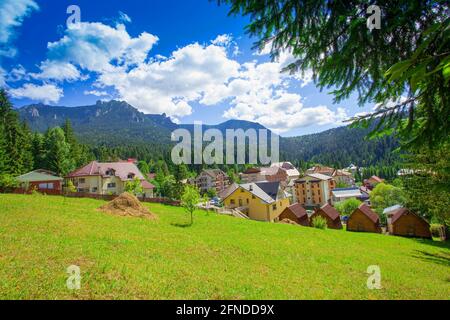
(211, 179)
(108, 178)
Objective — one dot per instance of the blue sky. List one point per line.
(188, 59)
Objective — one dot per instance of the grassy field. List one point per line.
(217, 258)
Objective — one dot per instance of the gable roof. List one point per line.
(376, 179)
(330, 211)
(121, 170)
(365, 209)
(298, 210)
(391, 209)
(39, 175)
(147, 185)
(320, 169)
(288, 167)
(214, 172)
(346, 192)
(318, 176)
(266, 191)
(400, 212)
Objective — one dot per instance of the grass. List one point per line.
(218, 257)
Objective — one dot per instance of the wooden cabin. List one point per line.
(403, 222)
(363, 219)
(332, 216)
(296, 213)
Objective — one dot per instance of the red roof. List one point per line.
(369, 213)
(330, 211)
(377, 179)
(298, 210)
(401, 211)
(147, 185)
(121, 170)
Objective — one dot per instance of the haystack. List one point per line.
(127, 205)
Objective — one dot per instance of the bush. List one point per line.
(319, 223)
(436, 230)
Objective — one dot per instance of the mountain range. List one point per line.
(116, 123)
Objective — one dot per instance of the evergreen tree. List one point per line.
(58, 158)
(17, 147)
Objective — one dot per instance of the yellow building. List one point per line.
(262, 201)
(314, 190)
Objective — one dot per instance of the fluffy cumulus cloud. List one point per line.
(100, 48)
(205, 74)
(12, 14)
(47, 93)
(56, 70)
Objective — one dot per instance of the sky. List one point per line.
(187, 59)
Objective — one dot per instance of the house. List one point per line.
(211, 179)
(105, 178)
(314, 190)
(291, 171)
(372, 182)
(262, 201)
(41, 180)
(343, 177)
(404, 222)
(328, 171)
(342, 194)
(363, 219)
(271, 174)
(329, 213)
(296, 213)
(352, 169)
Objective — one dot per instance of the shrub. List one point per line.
(319, 223)
(436, 230)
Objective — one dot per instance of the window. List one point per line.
(94, 189)
(46, 186)
(248, 201)
(111, 185)
(274, 207)
(82, 180)
(110, 172)
(232, 201)
(130, 176)
(253, 197)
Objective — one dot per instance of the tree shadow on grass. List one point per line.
(181, 225)
(442, 258)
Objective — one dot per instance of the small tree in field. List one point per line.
(319, 223)
(346, 207)
(190, 199)
(134, 187)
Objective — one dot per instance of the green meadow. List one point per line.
(218, 257)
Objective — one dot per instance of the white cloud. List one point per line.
(46, 93)
(124, 18)
(96, 93)
(12, 14)
(197, 73)
(170, 85)
(60, 71)
(100, 48)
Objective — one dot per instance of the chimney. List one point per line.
(251, 187)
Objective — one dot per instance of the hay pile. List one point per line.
(127, 205)
(288, 221)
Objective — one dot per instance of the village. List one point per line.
(278, 194)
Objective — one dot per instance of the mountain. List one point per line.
(116, 124)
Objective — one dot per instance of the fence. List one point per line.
(106, 197)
